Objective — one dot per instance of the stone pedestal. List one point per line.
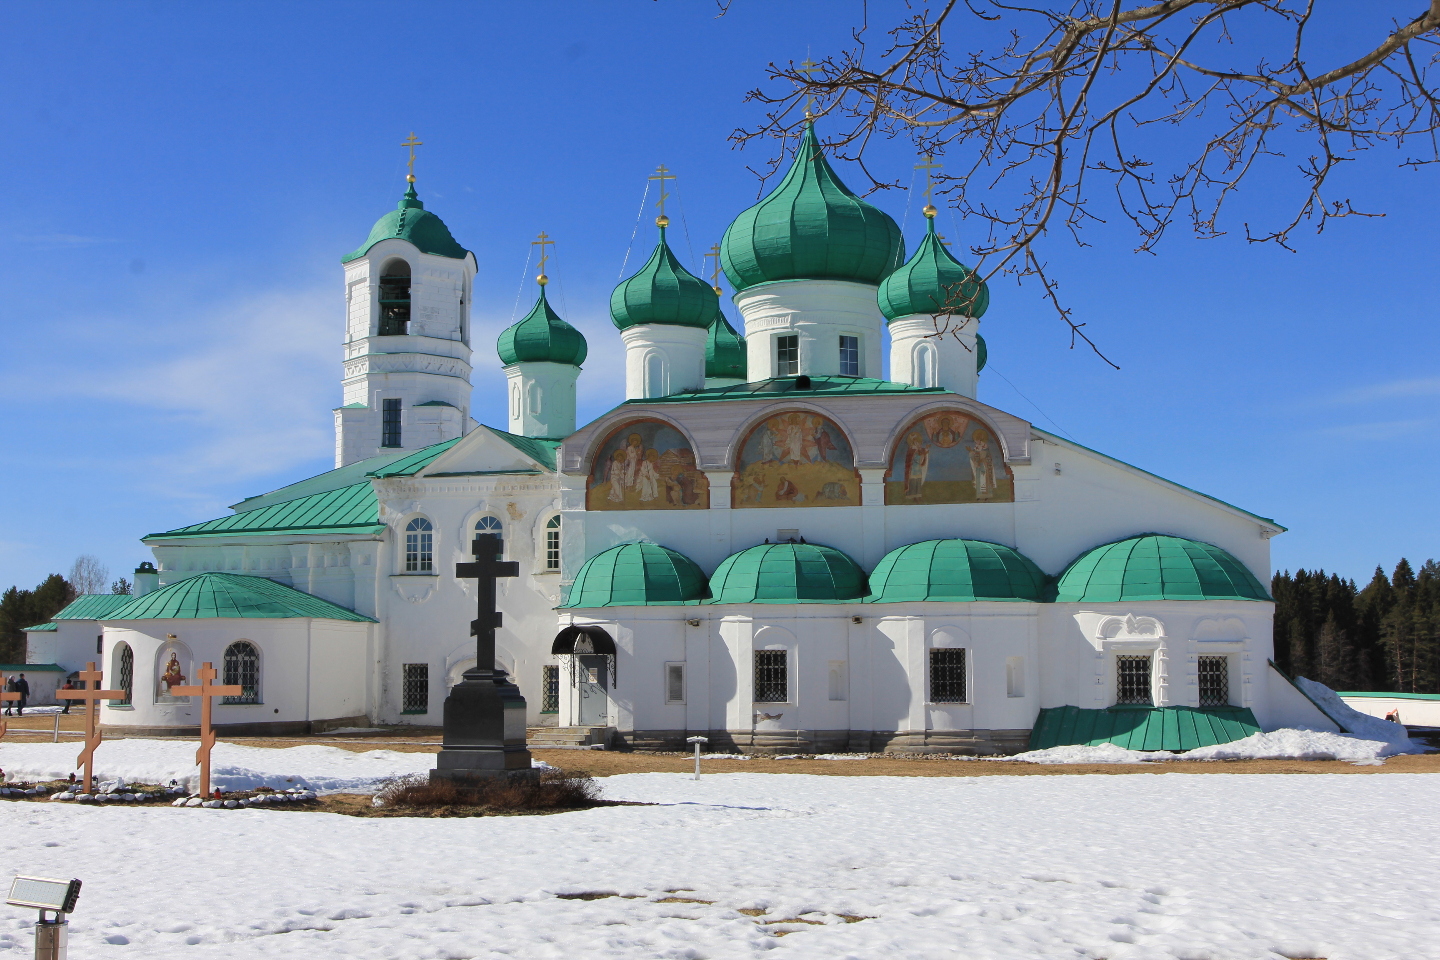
(484, 730)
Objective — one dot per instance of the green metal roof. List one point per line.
(962, 570)
(416, 461)
(541, 336)
(411, 221)
(811, 227)
(208, 596)
(933, 282)
(1142, 728)
(663, 291)
(1157, 567)
(540, 449)
(32, 668)
(351, 509)
(725, 350)
(396, 463)
(50, 627)
(637, 574)
(1347, 693)
(788, 573)
(819, 387)
(93, 606)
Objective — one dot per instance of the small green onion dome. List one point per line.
(788, 573)
(411, 221)
(982, 353)
(541, 336)
(956, 570)
(637, 574)
(1157, 567)
(933, 282)
(724, 351)
(663, 291)
(811, 227)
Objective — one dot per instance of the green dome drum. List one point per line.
(788, 573)
(637, 574)
(541, 335)
(663, 291)
(933, 282)
(956, 570)
(1157, 567)
(412, 222)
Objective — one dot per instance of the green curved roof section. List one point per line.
(412, 222)
(982, 353)
(836, 386)
(541, 336)
(351, 509)
(788, 573)
(933, 282)
(951, 570)
(725, 351)
(663, 291)
(637, 574)
(1157, 567)
(811, 227)
(208, 596)
(93, 606)
(50, 627)
(1142, 728)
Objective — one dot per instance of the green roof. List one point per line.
(1157, 567)
(819, 387)
(398, 462)
(50, 627)
(93, 606)
(411, 221)
(414, 462)
(662, 291)
(982, 353)
(933, 282)
(539, 449)
(208, 596)
(962, 570)
(788, 573)
(351, 509)
(1141, 728)
(811, 227)
(725, 350)
(637, 574)
(1346, 693)
(541, 336)
(32, 667)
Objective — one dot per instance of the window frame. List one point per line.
(498, 530)
(124, 676)
(392, 423)
(1224, 661)
(783, 343)
(1122, 699)
(853, 368)
(781, 663)
(936, 684)
(549, 688)
(418, 556)
(408, 677)
(674, 668)
(254, 698)
(550, 556)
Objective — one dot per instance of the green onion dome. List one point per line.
(664, 292)
(956, 570)
(933, 282)
(411, 221)
(541, 336)
(982, 353)
(637, 574)
(811, 227)
(724, 351)
(788, 573)
(1157, 567)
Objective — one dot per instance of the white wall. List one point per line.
(541, 398)
(662, 358)
(819, 312)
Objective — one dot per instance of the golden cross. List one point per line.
(662, 175)
(542, 243)
(929, 166)
(807, 67)
(714, 251)
(91, 698)
(206, 691)
(412, 142)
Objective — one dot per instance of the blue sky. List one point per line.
(188, 176)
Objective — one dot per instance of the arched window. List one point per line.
(495, 528)
(654, 375)
(394, 298)
(242, 667)
(124, 673)
(924, 372)
(552, 543)
(419, 546)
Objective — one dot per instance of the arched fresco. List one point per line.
(796, 459)
(948, 457)
(646, 465)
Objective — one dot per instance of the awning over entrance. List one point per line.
(579, 640)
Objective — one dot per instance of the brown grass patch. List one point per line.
(751, 911)
(551, 792)
(682, 900)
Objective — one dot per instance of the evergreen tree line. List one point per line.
(1385, 637)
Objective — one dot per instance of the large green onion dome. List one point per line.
(956, 570)
(664, 292)
(724, 351)
(411, 221)
(811, 227)
(1157, 567)
(933, 282)
(637, 574)
(541, 336)
(788, 573)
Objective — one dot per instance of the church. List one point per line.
(774, 542)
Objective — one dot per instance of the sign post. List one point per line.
(697, 741)
(91, 697)
(207, 692)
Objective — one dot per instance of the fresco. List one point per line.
(948, 457)
(173, 668)
(796, 459)
(646, 465)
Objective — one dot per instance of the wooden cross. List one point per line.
(808, 67)
(542, 243)
(5, 697)
(715, 277)
(662, 175)
(486, 568)
(207, 692)
(929, 166)
(91, 697)
(412, 142)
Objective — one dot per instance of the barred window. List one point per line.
(1132, 680)
(947, 675)
(419, 546)
(390, 423)
(674, 683)
(494, 528)
(415, 689)
(787, 355)
(124, 673)
(394, 298)
(772, 676)
(849, 356)
(242, 667)
(550, 688)
(1214, 681)
(552, 543)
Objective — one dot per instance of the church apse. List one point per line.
(948, 457)
(646, 465)
(796, 459)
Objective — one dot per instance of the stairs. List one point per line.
(567, 738)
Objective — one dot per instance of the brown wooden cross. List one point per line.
(207, 692)
(91, 699)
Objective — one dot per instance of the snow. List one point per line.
(1275, 745)
(1360, 724)
(1163, 867)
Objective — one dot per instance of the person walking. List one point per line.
(10, 688)
(69, 685)
(22, 686)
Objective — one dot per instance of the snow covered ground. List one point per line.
(1177, 866)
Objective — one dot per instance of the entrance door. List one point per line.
(594, 683)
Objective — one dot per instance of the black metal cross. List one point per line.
(485, 570)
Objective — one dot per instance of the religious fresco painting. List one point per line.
(647, 465)
(948, 457)
(173, 668)
(796, 459)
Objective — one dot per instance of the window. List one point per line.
(415, 688)
(849, 356)
(552, 543)
(947, 675)
(495, 528)
(1014, 676)
(124, 673)
(924, 373)
(1132, 680)
(674, 683)
(839, 685)
(390, 423)
(655, 375)
(394, 298)
(100, 644)
(1214, 681)
(787, 355)
(242, 667)
(772, 678)
(550, 688)
(419, 546)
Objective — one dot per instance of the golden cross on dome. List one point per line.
(412, 142)
(929, 166)
(662, 175)
(808, 67)
(714, 251)
(542, 243)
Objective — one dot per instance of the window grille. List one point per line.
(1132, 680)
(674, 683)
(552, 544)
(242, 667)
(849, 356)
(550, 688)
(390, 423)
(419, 546)
(125, 674)
(395, 300)
(787, 355)
(772, 676)
(1214, 681)
(947, 675)
(494, 527)
(415, 690)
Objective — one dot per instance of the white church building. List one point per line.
(772, 542)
